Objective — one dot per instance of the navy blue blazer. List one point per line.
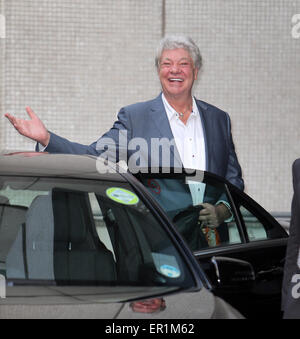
(148, 120)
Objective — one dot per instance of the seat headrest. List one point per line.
(39, 238)
(71, 216)
(40, 218)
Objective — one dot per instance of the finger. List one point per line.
(206, 205)
(11, 118)
(206, 208)
(204, 218)
(31, 114)
(204, 212)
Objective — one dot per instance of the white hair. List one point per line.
(171, 42)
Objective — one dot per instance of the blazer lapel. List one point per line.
(207, 131)
(162, 124)
(160, 118)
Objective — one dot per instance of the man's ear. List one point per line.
(158, 69)
(196, 71)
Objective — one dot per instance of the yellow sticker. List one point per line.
(122, 196)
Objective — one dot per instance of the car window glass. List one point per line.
(259, 224)
(181, 197)
(62, 233)
(255, 229)
(100, 224)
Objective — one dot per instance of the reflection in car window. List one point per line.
(259, 225)
(255, 228)
(181, 197)
(100, 224)
(84, 234)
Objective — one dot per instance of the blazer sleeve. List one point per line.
(234, 171)
(110, 141)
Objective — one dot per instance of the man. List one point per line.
(291, 282)
(199, 134)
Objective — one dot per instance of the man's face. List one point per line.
(177, 72)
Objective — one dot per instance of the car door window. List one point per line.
(101, 227)
(259, 225)
(180, 197)
(255, 229)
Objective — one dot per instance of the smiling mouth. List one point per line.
(176, 80)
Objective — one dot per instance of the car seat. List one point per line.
(59, 242)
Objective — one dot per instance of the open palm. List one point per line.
(33, 128)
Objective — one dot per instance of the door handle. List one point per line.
(274, 271)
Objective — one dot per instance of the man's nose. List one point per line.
(175, 69)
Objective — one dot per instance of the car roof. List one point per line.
(57, 165)
(86, 167)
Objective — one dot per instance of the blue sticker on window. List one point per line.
(170, 271)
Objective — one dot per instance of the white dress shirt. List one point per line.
(189, 140)
(190, 143)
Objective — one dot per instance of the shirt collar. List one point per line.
(172, 114)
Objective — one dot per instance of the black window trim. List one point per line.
(237, 248)
(237, 216)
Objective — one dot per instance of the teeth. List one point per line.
(176, 80)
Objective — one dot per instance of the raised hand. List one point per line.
(33, 128)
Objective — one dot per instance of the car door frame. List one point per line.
(231, 250)
(247, 250)
(242, 229)
(201, 279)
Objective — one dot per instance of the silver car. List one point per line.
(75, 243)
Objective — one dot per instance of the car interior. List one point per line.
(58, 233)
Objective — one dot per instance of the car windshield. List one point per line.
(89, 239)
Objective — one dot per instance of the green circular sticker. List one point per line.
(122, 196)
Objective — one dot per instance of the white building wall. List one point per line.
(77, 62)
